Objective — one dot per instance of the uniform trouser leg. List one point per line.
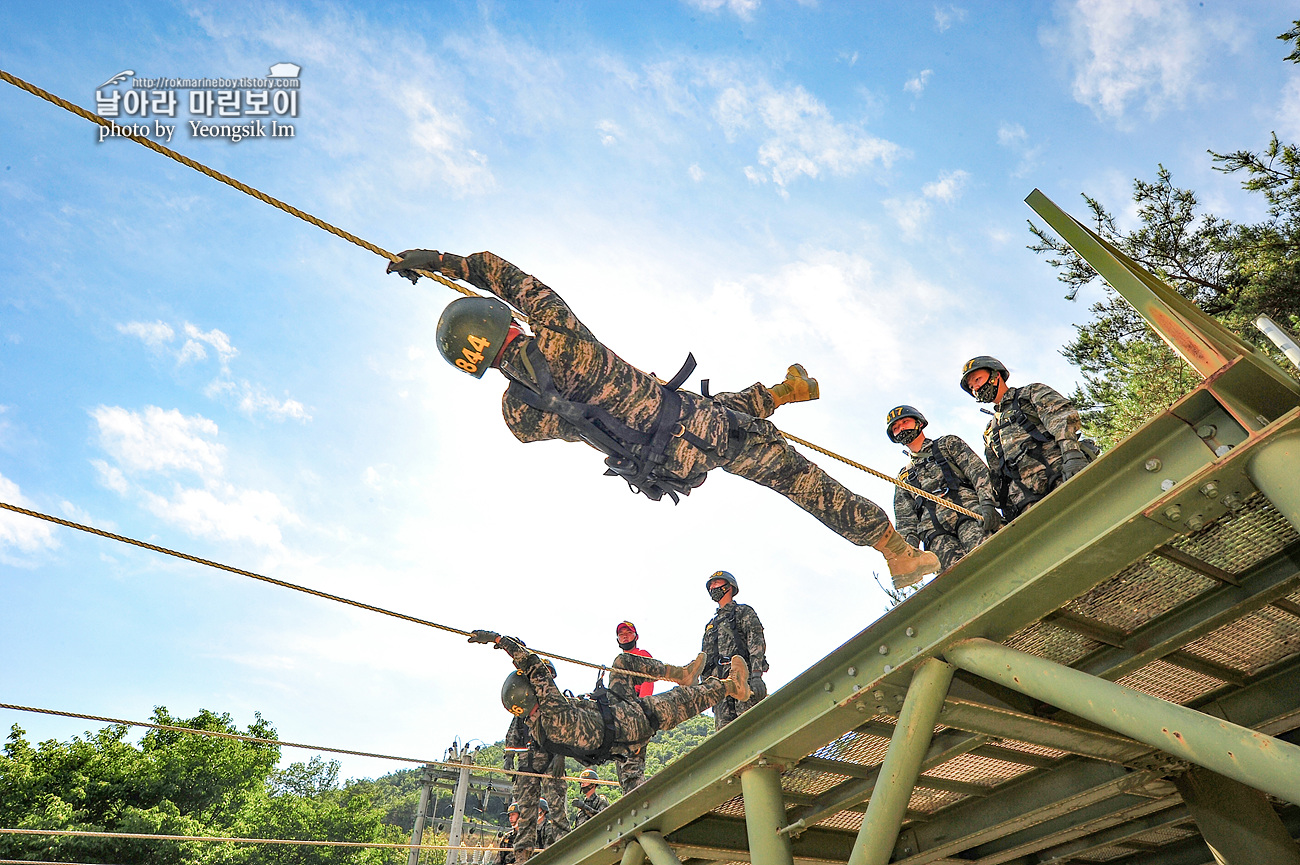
(556, 793)
(684, 702)
(527, 792)
(631, 771)
(768, 459)
(728, 709)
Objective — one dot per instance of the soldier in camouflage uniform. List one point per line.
(631, 769)
(565, 384)
(506, 841)
(528, 790)
(734, 631)
(947, 467)
(591, 803)
(547, 832)
(1032, 444)
(604, 726)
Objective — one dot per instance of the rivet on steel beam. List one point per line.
(857, 687)
(889, 668)
(1206, 430)
(879, 695)
(827, 686)
(618, 822)
(609, 828)
(1173, 513)
(762, 761)
(1152, 465)
(1195, 522)
(1231, 502)
(884, 650)
(1168, 484)
(647, 804)
(730, 781)
(1222, 450)
(862, 707)
(633, 812)
(853, 671)
(898, 698)
(1210, 490)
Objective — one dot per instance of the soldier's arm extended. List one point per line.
(1057, 415)
(751, 631)
(526, 293)
(905, 515)
(969, 464)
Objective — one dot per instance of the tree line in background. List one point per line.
(1233, 271)
(174, 783)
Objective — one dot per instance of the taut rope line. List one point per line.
(380, 251)
(221, 734)
(143, 837)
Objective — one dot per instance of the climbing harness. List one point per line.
(951, 484)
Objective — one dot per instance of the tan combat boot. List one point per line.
(906, 563)
(737, 681)
(797, 387)
(687, 675)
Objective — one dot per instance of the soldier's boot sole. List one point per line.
(797, 387)
(907, 564)
(737, 681)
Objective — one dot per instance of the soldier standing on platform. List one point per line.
(734, 631)
(566, 384)
(1032, 444)
(591, 802)
(947, 467)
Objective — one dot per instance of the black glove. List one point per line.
(992, 519)
(484, 637)
(413, 259)
(1073, 462)
(508, 761)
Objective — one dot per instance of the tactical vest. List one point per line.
(951, 483)
(631, 454)
(609, 735)
(727, 616)
(1009, 472)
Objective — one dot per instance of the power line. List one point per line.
(220, 734)
(218, 838)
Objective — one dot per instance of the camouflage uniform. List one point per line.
(945, 532)
(631, 769)
(587, 807)
(577, 722)
(520, 744)
(547, 833)
(1023, 469)
(506, 856)
(735, 630)
(739, 440)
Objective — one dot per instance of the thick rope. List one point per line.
(220, 734)
(381, 252)
(136, 836)
(916, 491)
(294, 586)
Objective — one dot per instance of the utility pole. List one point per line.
(462, 754)
(417, 833)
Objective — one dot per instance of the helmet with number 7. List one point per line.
(472, 331)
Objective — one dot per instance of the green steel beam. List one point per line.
(765, 815)
(991, 721)
(1261, 761)
(657, 849)
(1083, 822)
(1270, 704)
(902, 764)
(1169, 816)
(1193, 851)
(633, 854)
(1271, 579)
(1236, 821)
(1274, 469)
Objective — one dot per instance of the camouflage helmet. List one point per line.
(724, 575)
(517, 694)
(901, 411)
(982, 362)
(587, 775)
(513, 809)
(472, 331)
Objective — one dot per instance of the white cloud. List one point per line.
(254, 400)
(1288, 116)
(158, 440)
(743, 9)
(948, 187)
(946, 16)
(440, 141)
(696, 173)
(215, 338)
(916, 86)
(798, 135)
(19, 532)
(1126, 51)
(609, 132)
(147, 450)
(154, 334)
(1014, 137)
(1011, 135)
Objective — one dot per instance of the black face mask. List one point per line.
(906, 436)
(717, 592)
(988, 391)
(628, 646)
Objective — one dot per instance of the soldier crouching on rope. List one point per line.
(603, 726)
(566, 384)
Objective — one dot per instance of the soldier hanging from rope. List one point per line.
(528, 791)
(602, 726)
(566, 384)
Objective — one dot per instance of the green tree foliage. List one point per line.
(1235, 272)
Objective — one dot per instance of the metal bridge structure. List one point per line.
(1112, 678)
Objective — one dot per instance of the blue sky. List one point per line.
(759, 182)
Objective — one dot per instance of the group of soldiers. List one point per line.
(1032, 445)
(663, 440)
(615, 723)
